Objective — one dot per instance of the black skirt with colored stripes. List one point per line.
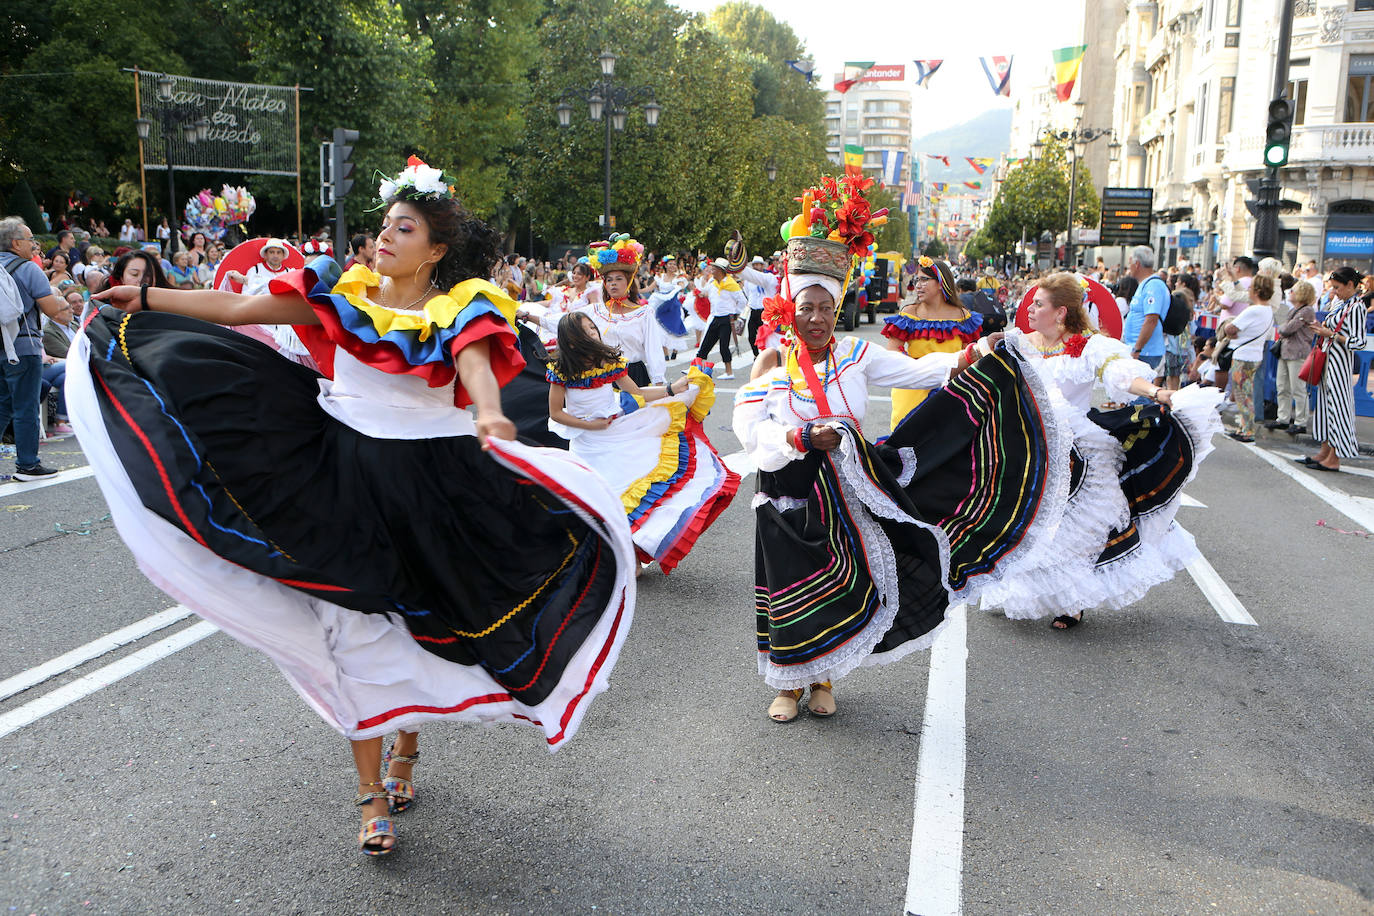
(860, 551)
(489, 564)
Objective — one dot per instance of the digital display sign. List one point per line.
(1126, 215)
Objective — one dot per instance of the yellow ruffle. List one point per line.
(439, 312)
(668, 456)
(706, 393)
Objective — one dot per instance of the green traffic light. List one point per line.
(1275, 155)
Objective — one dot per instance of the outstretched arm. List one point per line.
(213, 305)
(474, 370)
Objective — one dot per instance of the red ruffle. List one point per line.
(707, 514)
(896, 333)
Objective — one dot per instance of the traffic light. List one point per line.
(326, 175)
(342, 161)
(1278, 132)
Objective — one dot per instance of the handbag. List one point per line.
(1315, 365)
(1227, 351)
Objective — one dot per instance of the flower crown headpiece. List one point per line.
(836, 210)
(620, 252)
(417, 181)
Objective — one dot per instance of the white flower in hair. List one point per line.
(428, 180)
(419, 178)
(386, 188)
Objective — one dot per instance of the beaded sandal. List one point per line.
(401, 791)
(820, 693)
(370, 837)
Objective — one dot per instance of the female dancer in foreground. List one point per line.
(390, 550)
(1118, 537)
(860, 548)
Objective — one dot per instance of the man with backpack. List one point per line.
(1144, 329)
(25, 297)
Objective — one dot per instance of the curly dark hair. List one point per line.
(152, 269)
(473, 246)
(578, 350)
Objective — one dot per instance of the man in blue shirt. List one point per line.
(1144, 329)
(21, 380)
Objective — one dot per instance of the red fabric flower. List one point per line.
(1074, 344)
(852, 216)
(414, 160)
(829, 190)
(779, 312)
(856, 184)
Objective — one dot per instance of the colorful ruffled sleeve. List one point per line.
(904, 328)
(592, 378)
(424, 343)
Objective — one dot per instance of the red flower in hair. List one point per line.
(779, 312)
(415, 160)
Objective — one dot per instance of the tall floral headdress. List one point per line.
(620, 252)
(418, 180)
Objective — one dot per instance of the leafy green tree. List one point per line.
(896, 234)
(765, 45)
(1035, 198)
(22, 205)
(935, 248)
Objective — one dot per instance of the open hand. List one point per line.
(121, 297)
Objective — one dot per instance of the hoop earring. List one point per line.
(416, 277)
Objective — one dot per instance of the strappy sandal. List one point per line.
(1066, 621)
(821, 692)
(370, 837)
(401, 791)
(784, 709)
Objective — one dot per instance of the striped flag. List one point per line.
(1066, 64)
(893, 166)
(910, 197)
(976, 185)
(998, 70)
(854, 71)
(853, 157)
(980, 165)
(944, 159)
(925, 69)
(806, 68)
(938, 187)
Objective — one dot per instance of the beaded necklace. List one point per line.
(819, 396)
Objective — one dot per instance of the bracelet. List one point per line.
(968, 355)
(143, 298)
(806, 436)
(797, 443)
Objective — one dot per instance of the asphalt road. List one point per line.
(1154, 760)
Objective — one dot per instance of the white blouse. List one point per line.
(1104, 361)
(771, 407)
(637, 334)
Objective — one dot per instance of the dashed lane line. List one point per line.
(1218, 593)
(93, 649)
(101, 678)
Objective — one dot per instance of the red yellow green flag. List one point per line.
(853, 157)
(1066, 64)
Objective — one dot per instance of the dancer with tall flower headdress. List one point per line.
(375, 531)
(861, 548)
(1118, 537)
(647, 442)
(621, 320)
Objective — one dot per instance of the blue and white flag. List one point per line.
(893, 162)
(925, 69)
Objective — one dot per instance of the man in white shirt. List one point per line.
(759, 284)
(273, 255)
(728, 304)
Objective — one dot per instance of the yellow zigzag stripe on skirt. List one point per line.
(841, 583)
(526, 603)
(1136, 436)
(668, 454)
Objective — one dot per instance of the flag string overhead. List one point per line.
(854, 71)
(944, 159)
(998, 70)
(925, 69)
(1066, 64)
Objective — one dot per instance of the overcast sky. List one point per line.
(901, 31)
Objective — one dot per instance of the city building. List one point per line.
(875, 113)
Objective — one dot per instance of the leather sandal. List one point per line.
(821, 693)
(400, 791)
(371, 835)
(784, 709)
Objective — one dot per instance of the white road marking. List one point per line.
(101, 678)
(1219, 594)
(1345, 467)
(935, 875)
(94, 649)
(871, 397)
(1341, 502)
(20, 486)
(1186, 500)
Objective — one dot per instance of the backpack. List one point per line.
(1179, 314)
(11, 309)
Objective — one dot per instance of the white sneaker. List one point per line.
(726, 376)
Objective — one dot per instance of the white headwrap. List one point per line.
(800, 282)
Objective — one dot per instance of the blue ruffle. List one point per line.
(970, 325)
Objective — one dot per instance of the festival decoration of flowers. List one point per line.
(417, 180)
(836, 209)
(620, 251)
(213, 214)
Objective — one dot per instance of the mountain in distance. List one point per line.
(987, 136)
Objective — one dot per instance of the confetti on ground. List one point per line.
(1321, 523)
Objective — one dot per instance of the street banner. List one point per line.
(853, 72)
(910, 196)
(252, 126)
(998, 70)
(976, 185)
(884, 73)
(1066, 64)
(925, 69)
(893, 163)
(980, 165)
(944, 159)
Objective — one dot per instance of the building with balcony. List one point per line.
(875, 115)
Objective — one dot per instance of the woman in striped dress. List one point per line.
(1343, 332)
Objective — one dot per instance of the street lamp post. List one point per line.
(187, 120)
(609, 102)
(1073, 138)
